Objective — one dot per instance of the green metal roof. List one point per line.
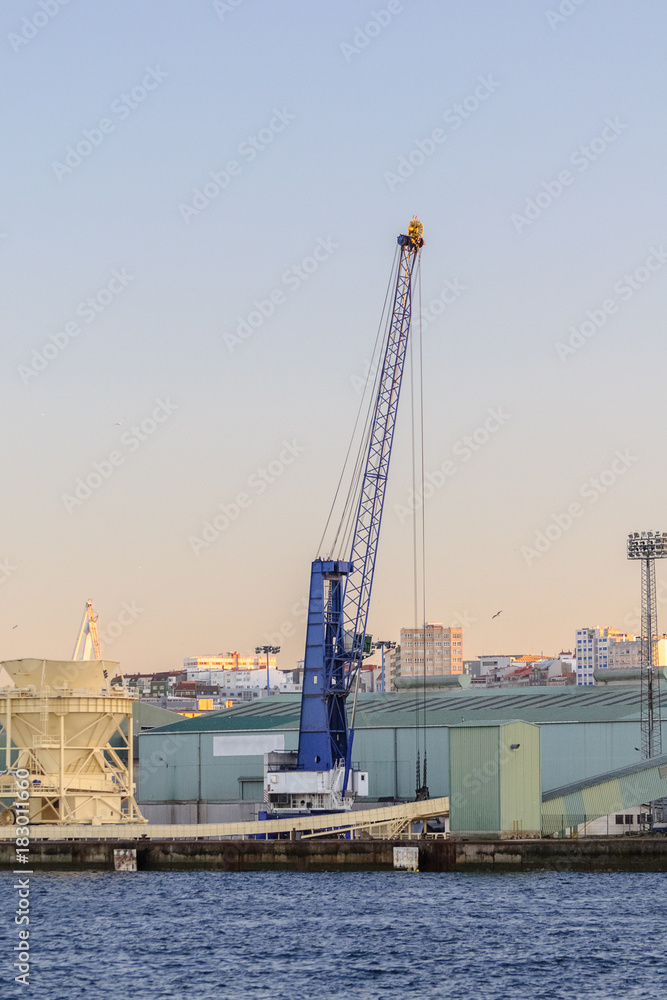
(486, 724)
(401, 710)
(440, 682)
(150, 716)
(281, 711)
(598, 779)
(144, 717)
(603, 794)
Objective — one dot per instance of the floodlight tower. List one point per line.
(383, 644)
(269, 650)
(649, 546)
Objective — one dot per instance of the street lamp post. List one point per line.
(383, 644)
(269, 650)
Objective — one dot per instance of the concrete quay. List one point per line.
(600, 853)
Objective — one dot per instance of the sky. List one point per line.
(200, 207)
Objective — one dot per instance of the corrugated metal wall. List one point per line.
(169, 763)
(575, 750)
(520, 790)
(474, 781)
(495, 778)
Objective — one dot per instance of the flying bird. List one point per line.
(496, 615)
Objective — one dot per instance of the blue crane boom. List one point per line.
(340, 591)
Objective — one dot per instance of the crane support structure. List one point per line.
(340, 591)
(87, 646)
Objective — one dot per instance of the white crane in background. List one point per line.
(87, 645)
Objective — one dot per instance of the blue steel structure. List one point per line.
(340, 591)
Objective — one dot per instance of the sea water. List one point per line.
(201, 935)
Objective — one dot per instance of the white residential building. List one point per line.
(488, 664)
(228, 661)
(241, 679)
(592, 650)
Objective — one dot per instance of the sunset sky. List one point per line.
(201, 202)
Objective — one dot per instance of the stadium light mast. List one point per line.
(269, 651)
(648, 546)
(383, 644)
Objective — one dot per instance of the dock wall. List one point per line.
(604, 853)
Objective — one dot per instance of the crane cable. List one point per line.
(419, 539)
(348, 520)
(349, 507)
(424, 787)
(415, 568)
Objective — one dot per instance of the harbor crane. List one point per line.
(319, 777)
(87, 646)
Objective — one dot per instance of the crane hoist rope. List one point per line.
(419, 544)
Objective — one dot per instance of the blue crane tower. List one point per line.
(321, 778)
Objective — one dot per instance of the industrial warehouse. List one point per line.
(211, 769)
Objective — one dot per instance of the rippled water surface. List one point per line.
(290, 936)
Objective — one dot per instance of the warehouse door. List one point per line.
(252, 789)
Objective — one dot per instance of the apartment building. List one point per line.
(228, 661)
(626, 653)
(433, 649)
(592, 650)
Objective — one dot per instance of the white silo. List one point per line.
(59, 717)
